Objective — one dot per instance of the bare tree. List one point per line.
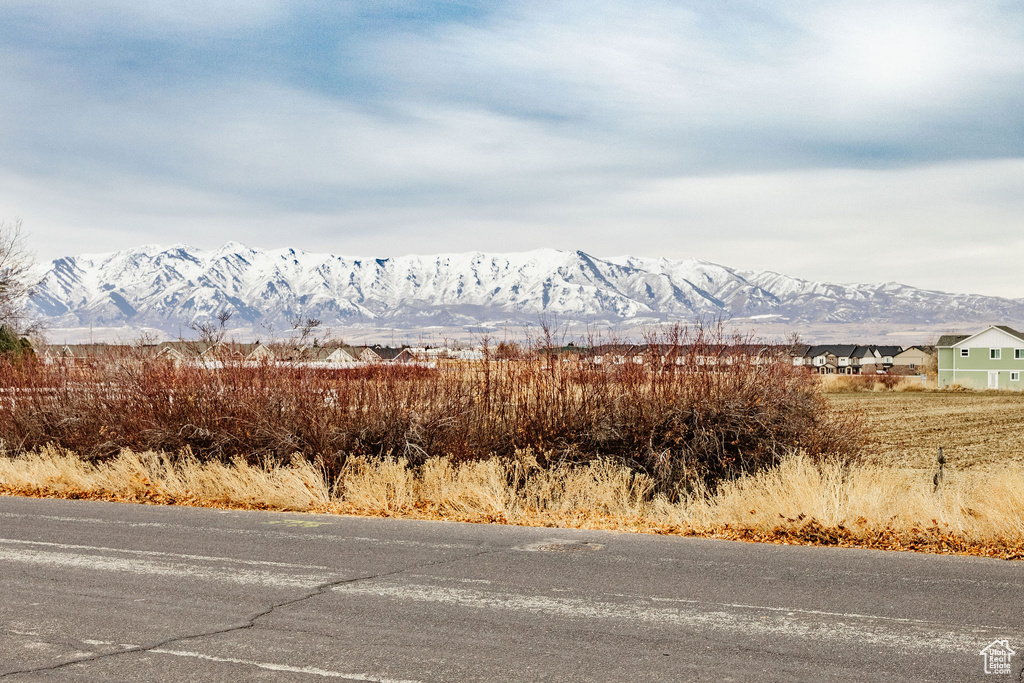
(305, 329)
(211, 333)
(301, 346)
(15, 271)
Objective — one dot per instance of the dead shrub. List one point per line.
(703, 408)
(889, 381)
(842, 384)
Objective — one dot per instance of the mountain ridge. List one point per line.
(164, 286)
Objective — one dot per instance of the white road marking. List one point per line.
(246, 532)
(905, 635)
(448, 579)
(69, 560)
(791, 611)
(313, 671)
(87, 520)
(159, 553)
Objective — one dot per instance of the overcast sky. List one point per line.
(842, 141)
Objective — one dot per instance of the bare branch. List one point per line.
(15, 271)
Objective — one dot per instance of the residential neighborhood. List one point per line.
(210, 353)
(992, 358)
(850, 359)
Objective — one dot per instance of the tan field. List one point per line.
(906, 429)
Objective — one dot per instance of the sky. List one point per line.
(839, 141)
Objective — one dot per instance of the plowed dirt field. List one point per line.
(975, 429)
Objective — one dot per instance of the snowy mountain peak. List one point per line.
(166, 286)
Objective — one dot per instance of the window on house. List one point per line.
(1014, 376)
(913, 367)
(995, 354)
(1018, 353)
(964, 353)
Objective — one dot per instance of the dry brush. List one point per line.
(702, 409)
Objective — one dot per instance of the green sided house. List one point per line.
(990, 359)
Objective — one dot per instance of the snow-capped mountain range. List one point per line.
(166, 287)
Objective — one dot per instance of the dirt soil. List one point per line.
(907, 428)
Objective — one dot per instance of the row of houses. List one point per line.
(663, 354)
(992, 358)
(209, 352)
(824, 359)
(848, 359)
(853, 359)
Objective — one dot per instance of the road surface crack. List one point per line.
(249, 623)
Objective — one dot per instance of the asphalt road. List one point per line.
(109, 592)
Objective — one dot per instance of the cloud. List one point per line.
(757, 137)
(803, 86)
(148, 17)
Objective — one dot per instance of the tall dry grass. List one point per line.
(801, 500)
(718, 412)
(846, 384)
(162, 478)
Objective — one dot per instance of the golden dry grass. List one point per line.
(159, 478)
(976, 429)
(978, 511)
(846, 384)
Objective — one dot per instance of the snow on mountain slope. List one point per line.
(164, 287)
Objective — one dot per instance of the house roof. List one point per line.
(837, 350)
(951, 339)
(1011, 331)
(888, 350)
(187, 348)
(238, 350)
(83, 350)
(914, 348)
(385, 352)
(799, 350)
(863, 352)
(947, 340)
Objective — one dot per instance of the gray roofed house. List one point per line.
(992, 358)
(832, 358)
(887, 352)
(948, 340)
(864, 354)
(388, 354)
